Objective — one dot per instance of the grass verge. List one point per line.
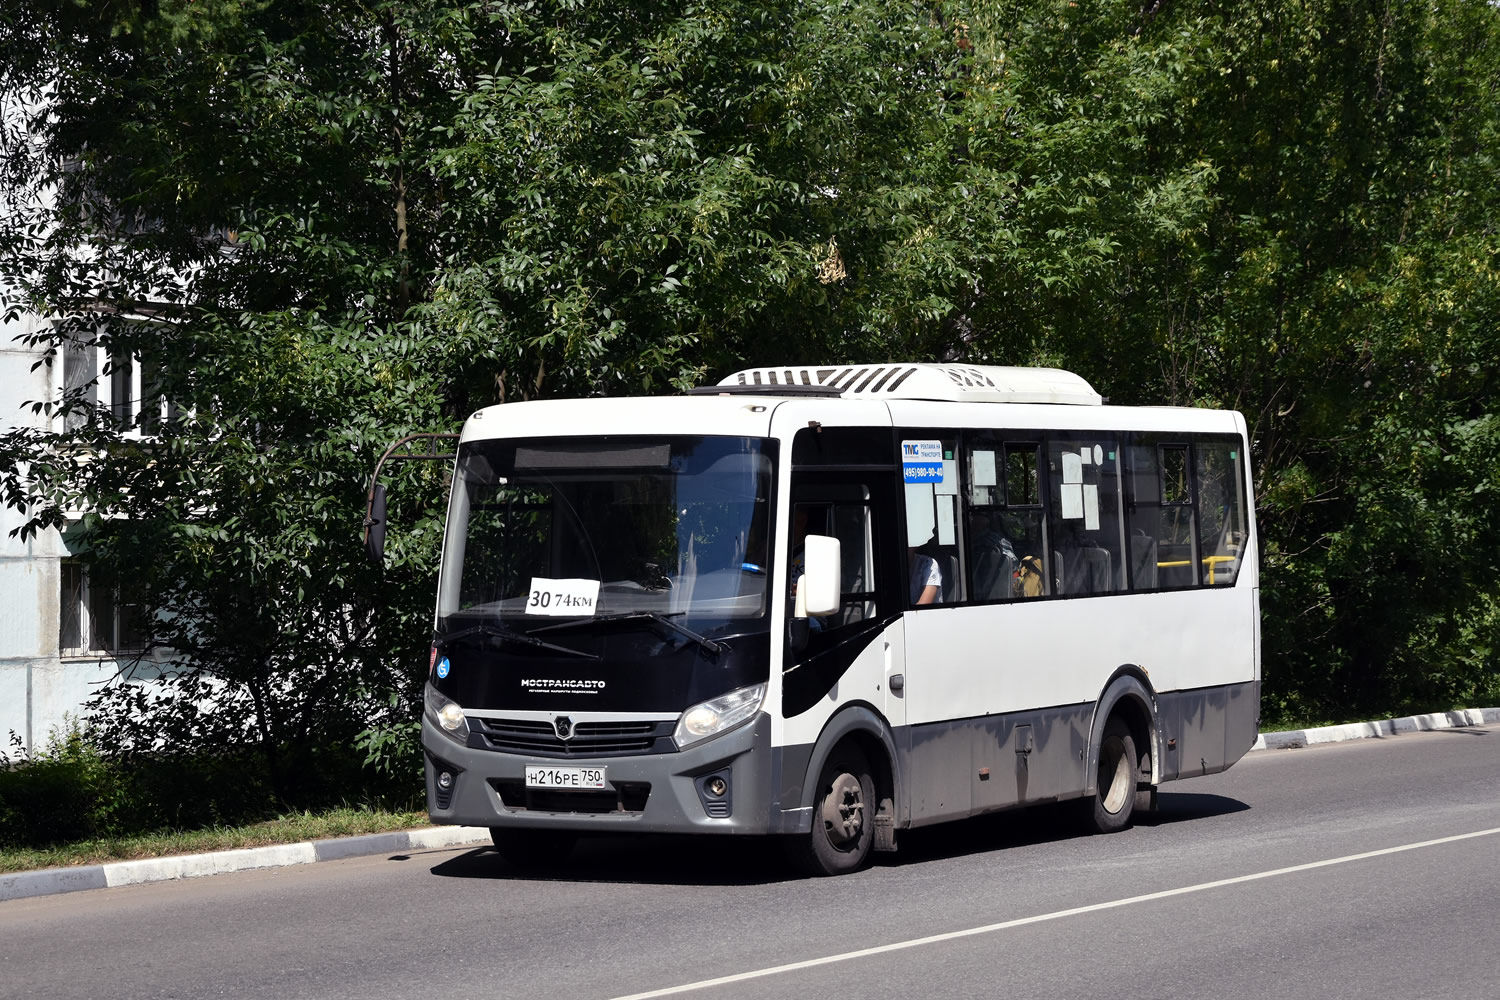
(290, 829)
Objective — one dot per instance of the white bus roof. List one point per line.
(944, 382)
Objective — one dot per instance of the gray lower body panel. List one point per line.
(978, 765)
(1207, 729)
(650, 793)
(971, 766)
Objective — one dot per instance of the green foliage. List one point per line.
(394, 749)
(72, 790)
(329, 226)
(65, 791)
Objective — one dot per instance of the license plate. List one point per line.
(565, 777)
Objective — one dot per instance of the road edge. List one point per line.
(51, 881)
(1295, 738)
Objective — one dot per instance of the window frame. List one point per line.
(1126, 441)
(85, 605)
(118, 383)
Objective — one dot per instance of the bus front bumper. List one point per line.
(647, 793)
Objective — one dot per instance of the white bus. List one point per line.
(836, 603)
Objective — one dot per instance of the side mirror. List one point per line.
(818, 590)
(375, 525)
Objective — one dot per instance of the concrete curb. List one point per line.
(1364, 730)
(22, 885)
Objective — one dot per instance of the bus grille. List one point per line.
(589, 739)
(623, 797)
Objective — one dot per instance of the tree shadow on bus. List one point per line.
(653, 859)
(1041, 824)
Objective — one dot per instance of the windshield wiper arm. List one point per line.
(660, 620)
(506, 635)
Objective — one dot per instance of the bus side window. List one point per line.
(1087, 550)
(1004, 524)
(1024, 517)
(1221, 510)
(1162, 540)
(932, 538)
(846, 518)
(851, 526)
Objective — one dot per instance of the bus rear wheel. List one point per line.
(1113, 801)
(532, 848)
(843, 821)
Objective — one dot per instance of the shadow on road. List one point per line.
(1040, 825)
(1177, 807)
(685, 860)
(655, 859)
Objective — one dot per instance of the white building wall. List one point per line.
(29, 581)
(38, 687)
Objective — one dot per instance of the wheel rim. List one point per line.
(1115, 783)
(844, 811)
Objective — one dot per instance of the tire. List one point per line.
(843, 824)
(1113, 801)
(1145, 792)
(526, 848)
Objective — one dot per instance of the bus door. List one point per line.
(853, 653)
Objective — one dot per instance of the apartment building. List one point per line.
(60, 636)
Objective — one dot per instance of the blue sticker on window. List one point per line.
(922, 461)
(442, 668)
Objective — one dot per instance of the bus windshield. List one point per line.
(604, 526)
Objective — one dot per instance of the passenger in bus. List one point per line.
(995, 561)
(926, 578)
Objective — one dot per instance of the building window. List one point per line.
(127, 386)
(124, 394)
(93, 621)
(80, 374)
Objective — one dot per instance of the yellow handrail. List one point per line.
(1211, 561)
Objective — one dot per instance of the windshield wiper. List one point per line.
(506, 635)
(659, 620)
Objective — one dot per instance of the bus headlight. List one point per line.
(712, 717)
(446, 716)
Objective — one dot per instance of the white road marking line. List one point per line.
(704, 984)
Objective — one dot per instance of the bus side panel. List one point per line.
(1242, 721)
(1029, 757)
(1213, 728)
(1044, 663)
(941, 762)
(1200, 744)
(1169, 718)
(977, 765)
(864, 682)
(963, 662)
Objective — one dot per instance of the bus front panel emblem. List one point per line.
(564, 727)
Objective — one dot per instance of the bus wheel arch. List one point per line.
(1127, 705)
(864, 732)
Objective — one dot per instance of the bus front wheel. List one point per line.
(1114, 796)
(843, 821)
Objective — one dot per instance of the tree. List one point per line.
(1319, 252)
(326, 226)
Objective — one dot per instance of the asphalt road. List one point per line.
(1370, 867)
